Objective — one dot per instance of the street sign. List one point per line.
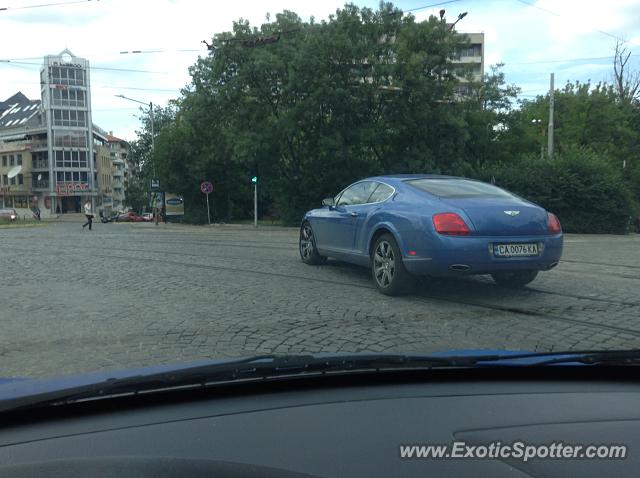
(206, 187)
(155, 185)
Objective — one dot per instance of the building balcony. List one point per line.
(39, 165)
(467, 59)
(38, 144)
(42, 184)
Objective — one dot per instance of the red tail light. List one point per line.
(451, 224)
(554, 224)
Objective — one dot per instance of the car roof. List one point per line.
(398, 178)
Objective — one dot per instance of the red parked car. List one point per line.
(130, 217)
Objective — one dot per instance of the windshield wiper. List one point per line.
(268, 367)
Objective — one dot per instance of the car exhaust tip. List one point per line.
(552, 265)
(460, 267)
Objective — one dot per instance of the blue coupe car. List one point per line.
(433, 225)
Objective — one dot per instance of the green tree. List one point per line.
(364, 92)
(141, 155)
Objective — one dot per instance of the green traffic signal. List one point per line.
(254, 179)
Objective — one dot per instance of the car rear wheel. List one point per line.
(515, 278)
(307, 246)
(387, 268)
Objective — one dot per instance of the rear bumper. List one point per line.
(454, 256)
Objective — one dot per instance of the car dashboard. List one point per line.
(344, 427)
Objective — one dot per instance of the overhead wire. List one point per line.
(129, 70)
(550, 12)
(56, 4)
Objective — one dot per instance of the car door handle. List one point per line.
(353, 214)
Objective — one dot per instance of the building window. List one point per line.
(70, 139)
(4, 161)
(65, 97)
(474, 49)
(19, 160)
(59, 177)
(5, 179)
(20, 179)
(71, 159)
(12, 181)
(21, 201)
(11, 160)
(69, 118)
(67, 76)
(83, 176)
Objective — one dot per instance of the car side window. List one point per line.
(381, 193)
(357, 194)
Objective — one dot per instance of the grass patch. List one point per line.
(19, 224)
(261, 222)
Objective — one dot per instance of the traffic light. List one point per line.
(254, 179)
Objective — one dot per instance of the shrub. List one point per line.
(583, 189)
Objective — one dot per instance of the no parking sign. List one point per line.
(207, 188)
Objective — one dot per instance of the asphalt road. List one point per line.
(127, 295)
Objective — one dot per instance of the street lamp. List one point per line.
(153, 143)
(150, 105)
(460, 17)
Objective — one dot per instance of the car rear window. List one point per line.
(458, 188)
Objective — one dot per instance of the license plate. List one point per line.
(515, 250)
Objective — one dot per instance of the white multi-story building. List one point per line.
(62, 140)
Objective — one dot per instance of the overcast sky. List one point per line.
(573, 38)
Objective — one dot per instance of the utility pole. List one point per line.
(551, 106)
(153, 135)
(156, 210)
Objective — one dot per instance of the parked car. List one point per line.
(433, 225)
(8, 214)
(147, 216)
(130, 217)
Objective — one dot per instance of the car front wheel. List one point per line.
(387, 268)
(515, 278)
(307, 246)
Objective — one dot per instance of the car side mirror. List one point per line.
(329, 202)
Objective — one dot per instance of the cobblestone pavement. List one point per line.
(127, 295)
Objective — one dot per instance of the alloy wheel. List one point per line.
(306, 242)
(384, 264)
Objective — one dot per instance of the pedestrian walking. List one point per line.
(89, 214)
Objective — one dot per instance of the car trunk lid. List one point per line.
(502, 216)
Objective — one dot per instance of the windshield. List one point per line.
(163, 166)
